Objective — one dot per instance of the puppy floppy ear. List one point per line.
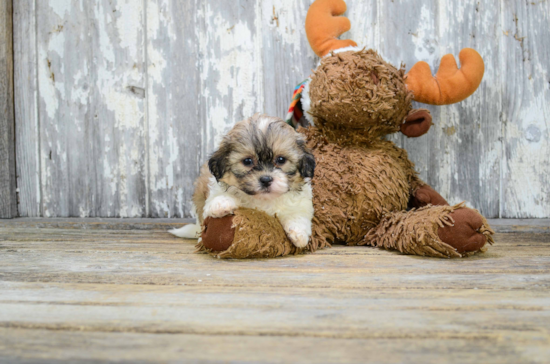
(218, 161)
(307, 165)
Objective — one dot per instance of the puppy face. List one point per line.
(263, 157)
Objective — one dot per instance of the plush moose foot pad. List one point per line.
(218, 233)
(468, 233)
(246, 234)
(436, 231)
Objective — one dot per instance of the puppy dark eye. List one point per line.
(281, 160)
(248, 162)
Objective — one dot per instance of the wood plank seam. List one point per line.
(8, 189)
(236, 332)
(38, 119)
(146, 107)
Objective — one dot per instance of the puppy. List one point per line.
(262, 163)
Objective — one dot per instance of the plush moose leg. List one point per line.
(246, 234)
(437, 231)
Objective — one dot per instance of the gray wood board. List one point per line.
(26, 108)
(91, 60)
(37, 345)
(176, 128)
(525, 177)
(132, 113)
(80, 295)
(8, 197)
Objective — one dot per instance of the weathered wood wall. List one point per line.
(118, 102)
(8, 197)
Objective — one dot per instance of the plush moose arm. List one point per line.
(426, 195)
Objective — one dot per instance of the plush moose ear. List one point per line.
(417, 123)
(218, 162)
(307, 165)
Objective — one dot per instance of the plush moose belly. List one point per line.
(352, 188)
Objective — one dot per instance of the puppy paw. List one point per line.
(219, 207)
(297, 236)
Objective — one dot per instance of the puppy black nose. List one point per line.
(266, 180)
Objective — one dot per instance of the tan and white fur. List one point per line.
(264, 164)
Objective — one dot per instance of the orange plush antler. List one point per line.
(324, 26)
(450, 84)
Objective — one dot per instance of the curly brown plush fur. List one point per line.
(417, 232)
(357, 96)
(354, 185)
(255, 235)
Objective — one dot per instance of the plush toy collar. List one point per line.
(295, 111)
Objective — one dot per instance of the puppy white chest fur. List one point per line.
(294, 209)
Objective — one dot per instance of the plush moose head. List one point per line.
(355, 96)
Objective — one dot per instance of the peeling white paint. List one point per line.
(424, 39)
(364, 30)
(233, 58)
(57, 44)
(105, 45)
(47, 85)
(157, 61)
(130, 39)
(126, 108)
(281, 17)
(61, 7)
(529, 160)
(219, 113)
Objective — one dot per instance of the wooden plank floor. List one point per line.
(84, 291)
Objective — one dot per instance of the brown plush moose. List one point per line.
(365, 189)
